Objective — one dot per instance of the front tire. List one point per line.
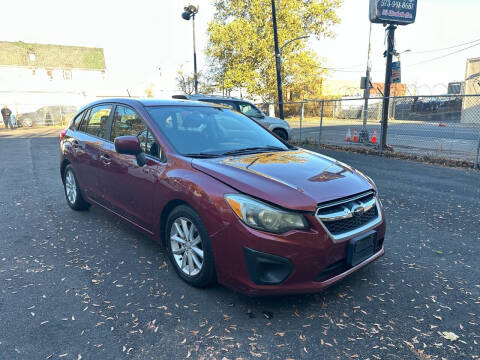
(189, 247)
(72, 190)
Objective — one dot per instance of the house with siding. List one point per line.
(471, 104)
(34, 75)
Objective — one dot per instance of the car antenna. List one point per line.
(128, 92)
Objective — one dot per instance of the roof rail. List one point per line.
(196, 96)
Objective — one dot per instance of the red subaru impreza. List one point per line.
(230, 201)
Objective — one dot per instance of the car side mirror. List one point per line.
(130, 145)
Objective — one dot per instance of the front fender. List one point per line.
(200, 191)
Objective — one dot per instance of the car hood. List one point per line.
(297, 180)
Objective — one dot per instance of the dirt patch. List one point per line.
(389, 153)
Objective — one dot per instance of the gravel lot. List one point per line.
(87, 286)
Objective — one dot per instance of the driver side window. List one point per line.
(126, 122)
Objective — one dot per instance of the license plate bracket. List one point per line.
(361, 248)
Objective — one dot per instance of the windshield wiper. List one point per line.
(201, 155)
(256, 149)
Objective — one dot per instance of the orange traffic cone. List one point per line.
(349, 135)
(355, 135)
(374, 137)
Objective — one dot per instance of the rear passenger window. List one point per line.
(96, 122)
(83, 125)
(78, 119)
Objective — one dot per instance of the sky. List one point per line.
(439, 24)
(145, 42)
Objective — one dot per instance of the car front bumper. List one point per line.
(259, 263)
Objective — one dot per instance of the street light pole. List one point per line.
(195, 75)
(277, 61)
(290, 41)
(280, 51)
(189, 13)
(285, 44)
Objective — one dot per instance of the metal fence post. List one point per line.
(301, 119)
(321, 124)
(394, 108)
(475, 166)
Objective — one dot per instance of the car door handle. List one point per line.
(106, 159)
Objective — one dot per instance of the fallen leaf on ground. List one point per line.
(449, 335)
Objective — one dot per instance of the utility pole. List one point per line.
(364, 135)
(277, 61)
(388, 78)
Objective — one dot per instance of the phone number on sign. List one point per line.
(407, 5)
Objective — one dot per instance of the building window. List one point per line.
(67, 74)
(32, 57)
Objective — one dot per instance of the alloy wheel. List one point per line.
(186, 245)
(71, 187)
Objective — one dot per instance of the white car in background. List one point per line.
(47, 115)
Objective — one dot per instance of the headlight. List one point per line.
(261, 216)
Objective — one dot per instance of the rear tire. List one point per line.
(281, 133)
(72, 190)
(189, 247)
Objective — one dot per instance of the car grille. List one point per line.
(350, 216)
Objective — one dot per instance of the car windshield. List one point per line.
(212, 131)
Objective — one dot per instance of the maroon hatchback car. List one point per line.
(229, 200)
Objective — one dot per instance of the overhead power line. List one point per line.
(446, 48)
(352, 69)
(444, 56)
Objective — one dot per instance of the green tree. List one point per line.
(241, 50)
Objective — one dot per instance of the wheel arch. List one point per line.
(63, 166)
(167, 209)
(280, 129)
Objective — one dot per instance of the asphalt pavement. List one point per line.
(84, 285)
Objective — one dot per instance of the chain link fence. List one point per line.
(441, 127)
